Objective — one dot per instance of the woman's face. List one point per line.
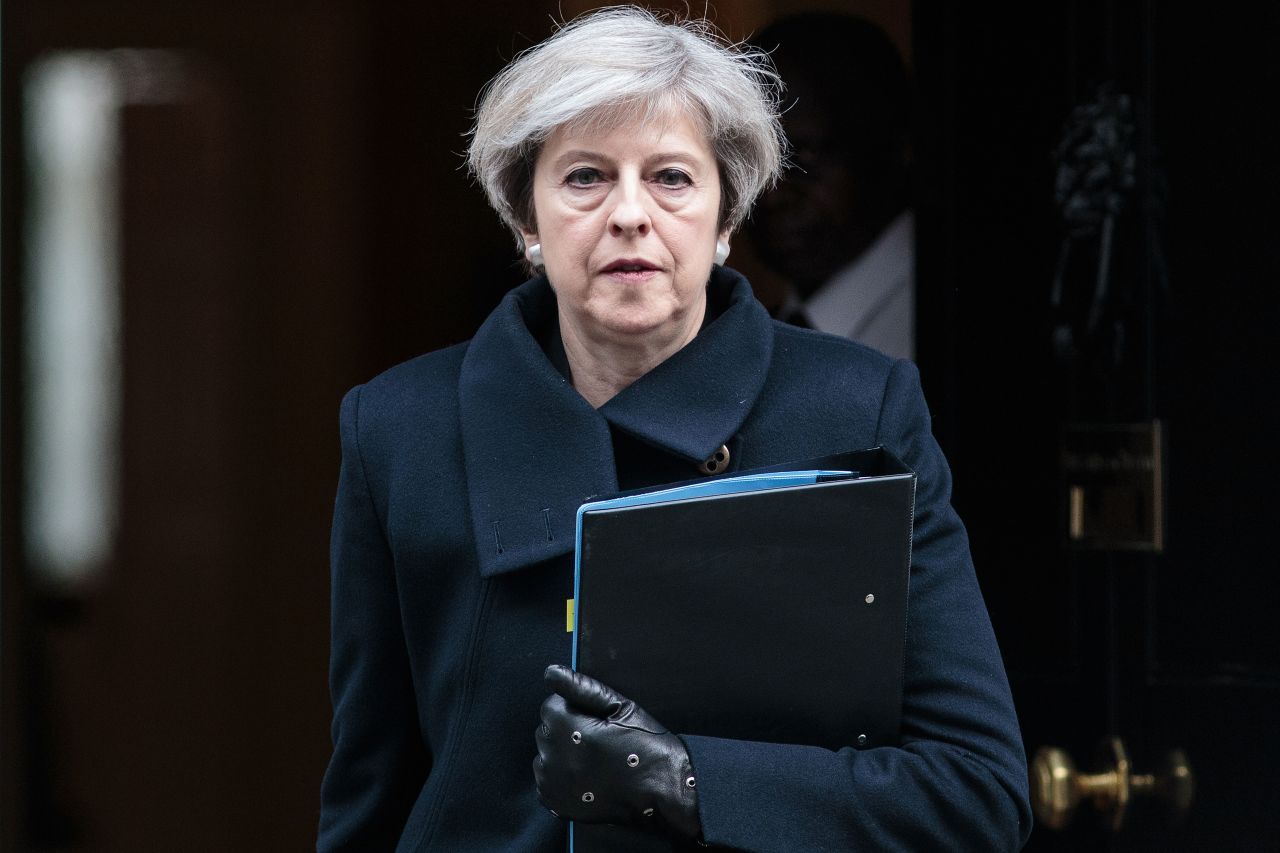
(627, 223)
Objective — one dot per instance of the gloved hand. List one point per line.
(603, 759)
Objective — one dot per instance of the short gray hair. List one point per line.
(623, 63)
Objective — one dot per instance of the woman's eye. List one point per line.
(674, 179)
(583, 177)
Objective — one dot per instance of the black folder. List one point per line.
(774, 613)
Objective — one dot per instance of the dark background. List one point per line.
(298, 219)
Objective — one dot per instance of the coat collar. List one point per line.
(535, 450)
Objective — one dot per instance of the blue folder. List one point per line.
(689, 491)
(769, 606)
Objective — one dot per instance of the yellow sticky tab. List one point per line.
(568, 615)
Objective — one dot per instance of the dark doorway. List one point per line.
(1167, 650)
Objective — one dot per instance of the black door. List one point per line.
(1163, 318)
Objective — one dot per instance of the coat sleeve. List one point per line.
(958, 781)
(379, 762)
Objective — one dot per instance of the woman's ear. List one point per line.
(532, 249)
(528, 238)
(722, 249)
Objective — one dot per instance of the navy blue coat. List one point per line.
(451, 564)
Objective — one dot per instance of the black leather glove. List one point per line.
(603, 759)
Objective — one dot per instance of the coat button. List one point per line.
(716, 462)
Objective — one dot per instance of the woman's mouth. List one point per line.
(630, 269)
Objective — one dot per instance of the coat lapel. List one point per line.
(698, 399)
(535, 450)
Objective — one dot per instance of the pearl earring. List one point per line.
(534, 255)
(722, 253)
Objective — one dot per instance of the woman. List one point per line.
(623, 152)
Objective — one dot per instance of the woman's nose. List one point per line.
(629, 214)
